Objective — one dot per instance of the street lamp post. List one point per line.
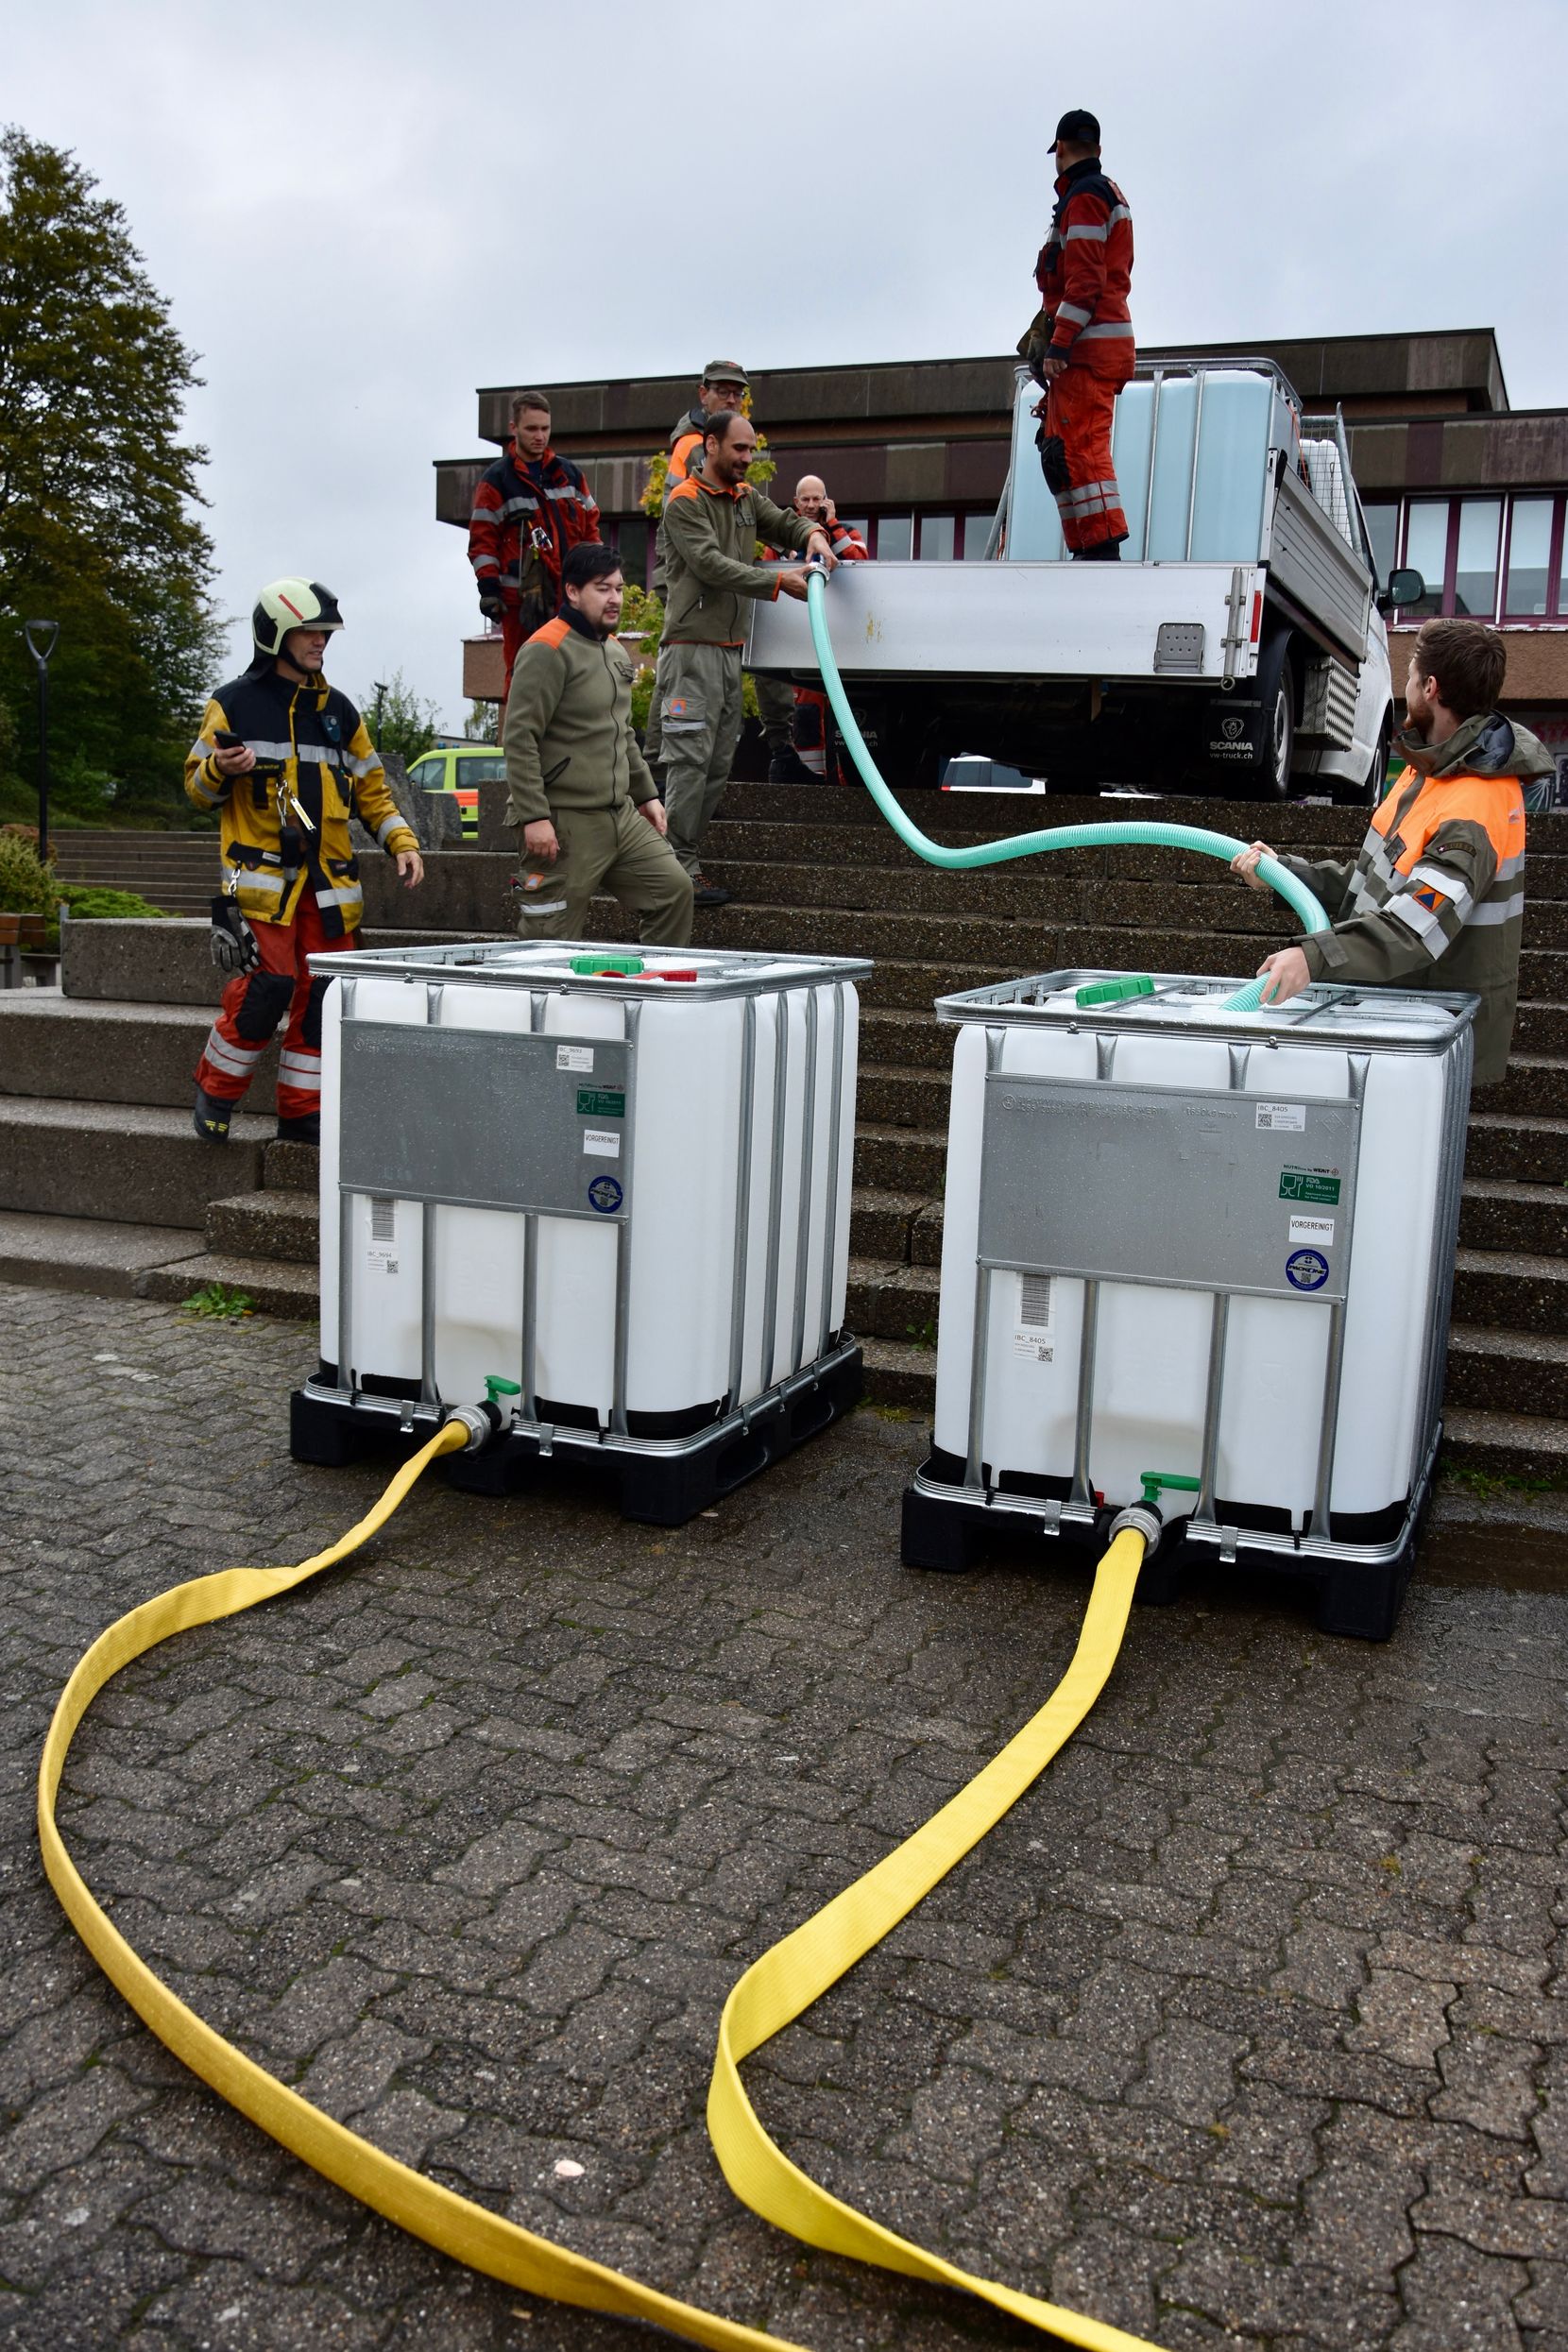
(41, 635)
(380, 697)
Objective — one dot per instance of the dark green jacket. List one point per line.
(568, 735)
(710, 536)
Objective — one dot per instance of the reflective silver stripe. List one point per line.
(239, 1060)
(550, 906)
(1110, 327)
(361, 763)
(1419, 919)
(349, 896)
(1509, 867)
(202, 749)
(303, 1068)
(1090, 234)
(1070, 310)
(388, 825)
(268, 750)
(205, 792)
(564, 494)
(257, 877)
(516, 506)
(1499, 910)
(486, 563)
(1455, 892)
(1117, 211)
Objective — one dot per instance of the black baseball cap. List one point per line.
(1079, 128)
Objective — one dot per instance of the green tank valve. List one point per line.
(624, 967)
(1117, 991)
(1155, 1479)
(495, 1387)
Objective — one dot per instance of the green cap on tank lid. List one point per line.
(624, 967)
(1117, 991)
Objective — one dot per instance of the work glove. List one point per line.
(490, 602)
(231, 941)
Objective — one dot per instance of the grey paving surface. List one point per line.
(1246, 2028)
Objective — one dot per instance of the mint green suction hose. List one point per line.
(1117, 833)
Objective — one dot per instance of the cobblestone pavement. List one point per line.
(1245, 2028)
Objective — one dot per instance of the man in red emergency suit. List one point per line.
(1079, 346)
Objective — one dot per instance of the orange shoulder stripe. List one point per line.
(1495, 803)
(686, 488)
(551, 632)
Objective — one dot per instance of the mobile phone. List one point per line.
(226, 741)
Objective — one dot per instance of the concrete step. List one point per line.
(900, 1375)
(88, 1050)
(1511, 1290)
(1536, 1088)
(123, 1163)
(1497, 1215)
(1520, 1448)
(277, 1226)
(103, 1259)
(1519, 1151)
(1541, 1029)
(274, 1288)
(990, 816)
(900, 1159)
(292, 1167)
(1508, 1371)
(169, 961)
(889, 1301)
(883, 1224)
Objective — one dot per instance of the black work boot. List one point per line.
(787, 767)
(210, 1117)
(1104, 551)
(306, 1129)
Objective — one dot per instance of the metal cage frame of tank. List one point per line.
(1359, 1584)
(663, 1480)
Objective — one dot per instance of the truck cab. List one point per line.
(1239, 647)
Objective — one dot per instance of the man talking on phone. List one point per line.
(285, 759)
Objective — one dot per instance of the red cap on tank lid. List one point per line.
(688, 972)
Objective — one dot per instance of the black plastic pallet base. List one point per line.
(662, 1490)
(1360, 1598)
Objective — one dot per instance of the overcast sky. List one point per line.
(359, 214)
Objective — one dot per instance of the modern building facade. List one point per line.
(1456, 483)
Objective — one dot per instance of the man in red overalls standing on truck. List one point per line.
(1080, 347)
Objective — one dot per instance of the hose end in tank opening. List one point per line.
(484, 1422)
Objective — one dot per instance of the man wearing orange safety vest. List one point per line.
(1079, 346)
(1435, 898)
(724, 386)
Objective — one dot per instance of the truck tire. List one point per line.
(1370, 790)
(1277, 691)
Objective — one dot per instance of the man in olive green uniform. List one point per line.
(588, 814)
(723, 387)
(712, 521)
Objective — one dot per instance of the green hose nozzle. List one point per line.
(1152, 1481)
(1115, 833)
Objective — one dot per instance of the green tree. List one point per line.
(483, 723)
(98, 493)
(408, 726)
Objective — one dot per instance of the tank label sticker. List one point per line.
(382, 1249)
(1032, 1334)
(1320, 1185)
(1292, 1116)
(601, 1143)
(1307, 1269)
(605, 1194)
(601, 1102)
(574, 1057)
(1317, 1231)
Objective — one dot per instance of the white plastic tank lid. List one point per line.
(1323, 1013)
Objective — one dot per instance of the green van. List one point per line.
(461, 768)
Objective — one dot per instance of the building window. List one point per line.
(895, 539)
(1383, 531)
(1475, 567)
(1529, 572)
(1483, 558)
(976, 531)
(936, 538)
(1427, 551)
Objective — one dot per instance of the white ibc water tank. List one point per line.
(625, 1190)
(1211, 1245)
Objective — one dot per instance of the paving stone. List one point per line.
(1243, 2029)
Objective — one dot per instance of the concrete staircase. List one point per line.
(94, 1084)
(175, 871)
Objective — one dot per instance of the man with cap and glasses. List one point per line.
(722, 387)
(1079, 346)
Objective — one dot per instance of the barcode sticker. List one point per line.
(574, 1057)
(1036, 1320)
(1289, 1115)
(381, 1247)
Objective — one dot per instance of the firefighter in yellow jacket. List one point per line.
(286, 760)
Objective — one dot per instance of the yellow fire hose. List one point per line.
(776, 1991)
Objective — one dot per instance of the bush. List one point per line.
(89, 904)
(26, 885)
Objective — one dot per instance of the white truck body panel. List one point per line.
(1009, 621)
